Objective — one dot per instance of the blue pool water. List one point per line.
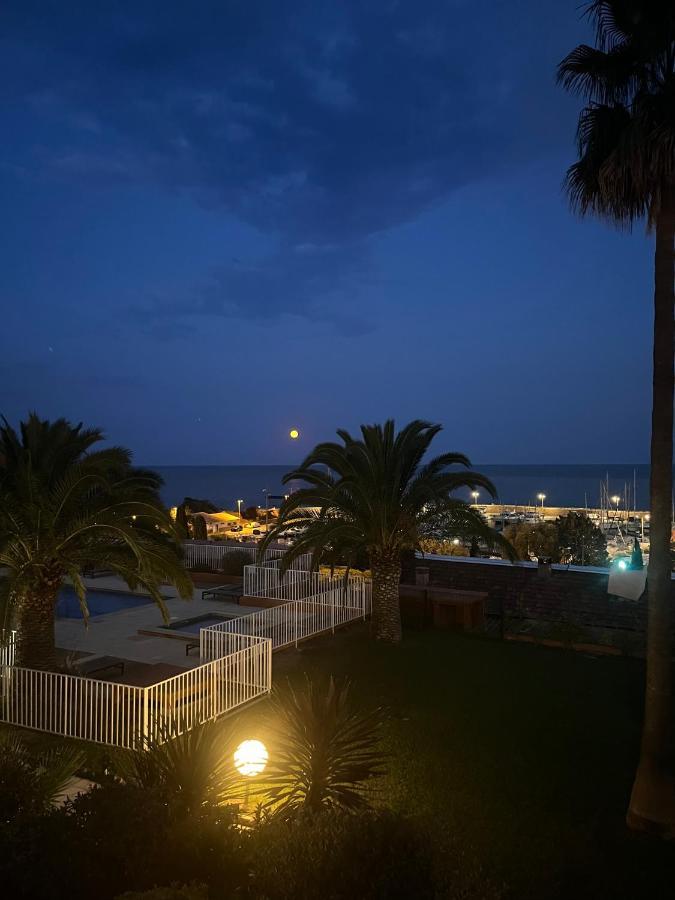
(99, 602)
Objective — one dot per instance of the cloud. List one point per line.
(317, 124)
(365, 100)
(321, 284)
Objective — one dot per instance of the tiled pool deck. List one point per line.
(117, 634)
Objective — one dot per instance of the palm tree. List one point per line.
(376, 494)
(626, 172)
(326, 751)
(65, 508)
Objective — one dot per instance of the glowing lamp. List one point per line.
(294, 434)
(622, 564)
(456, 542)
(250, 758)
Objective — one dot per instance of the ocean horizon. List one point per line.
(564, 485)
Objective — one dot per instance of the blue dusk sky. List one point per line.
(224, 219)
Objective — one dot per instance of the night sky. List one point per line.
(222, 220)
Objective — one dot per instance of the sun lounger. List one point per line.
(230, 592)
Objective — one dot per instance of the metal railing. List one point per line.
(127, 716)
(212, 553)
(236, 667)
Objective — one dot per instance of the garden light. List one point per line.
(250, 758)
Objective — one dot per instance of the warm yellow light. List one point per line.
(294, 434)
(616, 499)
(250, 758)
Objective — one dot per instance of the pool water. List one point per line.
(99, 602)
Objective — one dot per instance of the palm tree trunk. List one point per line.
(36, 647)
(386, 572)
(652, 803)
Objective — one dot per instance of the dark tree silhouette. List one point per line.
(626, 172)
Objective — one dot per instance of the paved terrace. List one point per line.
(117, 634)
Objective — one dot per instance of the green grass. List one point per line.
(519, 757)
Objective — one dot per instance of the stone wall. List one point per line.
(523, 589)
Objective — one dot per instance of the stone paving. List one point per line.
(117, 634)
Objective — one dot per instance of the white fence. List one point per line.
(267, 581)
(236, 666)
(283, 625)
(212, 553)
(127, 716)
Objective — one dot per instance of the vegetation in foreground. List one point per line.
(504, 774)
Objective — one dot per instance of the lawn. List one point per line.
(519, 757)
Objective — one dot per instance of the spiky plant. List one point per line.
(192, 770)
(626, 172)
(30, 781)
(325, 751)
(64, 508)
(377, 494)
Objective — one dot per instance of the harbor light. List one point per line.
(294, 434)
(250, 758)
(475, 495)
(541, 498)
(616, 499)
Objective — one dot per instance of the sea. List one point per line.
(563, 485)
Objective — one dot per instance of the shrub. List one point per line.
(31, 781)
(326, 749)
(174, 892)
(336, 855)
(234, 562)
(122, 837)
(199, 528)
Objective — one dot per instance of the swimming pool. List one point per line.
(100, 603)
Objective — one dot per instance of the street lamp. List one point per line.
(541, 498)
(475, 495)
(239, 502)
(616, 499)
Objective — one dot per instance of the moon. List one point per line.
(294, 434)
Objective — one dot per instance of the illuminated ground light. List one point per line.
(250, 758)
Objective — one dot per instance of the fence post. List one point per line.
(146, 719)
(296, 610)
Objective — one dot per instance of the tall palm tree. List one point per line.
(65, 508)
(376, 494)
(626, 172)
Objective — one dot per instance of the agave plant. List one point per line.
(192, 769)
(31, 782)
(326, 750)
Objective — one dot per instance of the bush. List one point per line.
(234, 562)
(174, 892)
(121, 837)
(337, 855)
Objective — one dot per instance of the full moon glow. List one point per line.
(294, 434)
